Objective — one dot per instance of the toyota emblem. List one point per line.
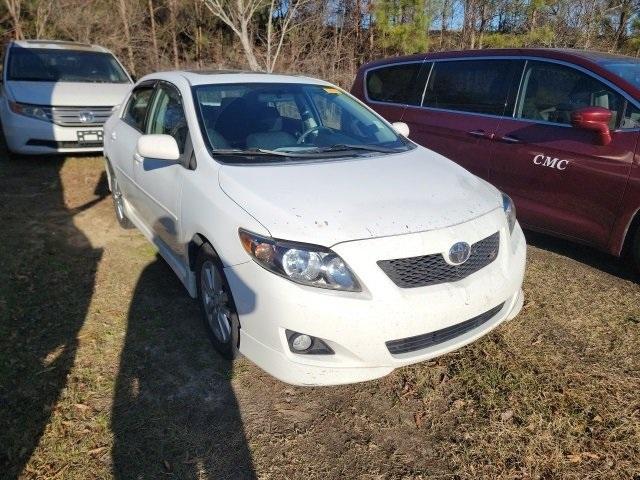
(459, 253)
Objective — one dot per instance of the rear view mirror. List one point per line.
(159, 147)
(401, 128)
(595, 119)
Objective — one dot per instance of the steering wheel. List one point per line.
(309, 131)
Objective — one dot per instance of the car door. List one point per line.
(561, 178)
(390, 88)
(124, 137)
(159, 181)
(461, 108)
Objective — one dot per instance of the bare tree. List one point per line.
(238, 16)
(288, 22)
(14, 7)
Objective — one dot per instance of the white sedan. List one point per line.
(319, 242)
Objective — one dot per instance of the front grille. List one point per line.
(63, 144)
(78, 116)
(411, 344)
(433, 269)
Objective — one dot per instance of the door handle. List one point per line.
(481, 134)
(138, 158)
(113, 135)
(509, 139)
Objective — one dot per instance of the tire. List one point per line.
(118, 201)
(216, 304)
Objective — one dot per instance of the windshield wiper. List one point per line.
(253, 151)
(340, 147)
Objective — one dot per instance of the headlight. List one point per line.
(34, 111)
(300, 262)
(509, 211)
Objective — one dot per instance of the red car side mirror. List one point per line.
(595, 119)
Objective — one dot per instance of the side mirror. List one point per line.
(595, 119)
(158, 147)
(401, 128)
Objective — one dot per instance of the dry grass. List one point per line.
(105, 370)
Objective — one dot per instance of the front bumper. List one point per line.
(31, 136)
(357, 325)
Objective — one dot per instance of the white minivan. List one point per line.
(55, 96)
(320, 243)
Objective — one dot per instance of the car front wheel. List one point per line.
(216, 304)
(118, 201)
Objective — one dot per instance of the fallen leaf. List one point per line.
(506, 415)
(574, 457)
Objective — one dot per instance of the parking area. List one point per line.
(105, 368)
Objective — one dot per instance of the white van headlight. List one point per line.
(302, 263)
(509, 211)
(34, 111)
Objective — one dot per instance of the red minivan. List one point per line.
(557, 130)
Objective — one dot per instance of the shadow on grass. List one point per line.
(618, 267)
(47, 270)
(174, 413)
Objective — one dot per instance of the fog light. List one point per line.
(300, 343)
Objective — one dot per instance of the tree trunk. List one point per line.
(127, 36)
(174, 34)
(247, 46)
(154, 35)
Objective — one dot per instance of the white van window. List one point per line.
(59, 65)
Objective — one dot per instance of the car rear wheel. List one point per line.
(216, 304)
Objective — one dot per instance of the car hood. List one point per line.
(329, 202)
(68, 94)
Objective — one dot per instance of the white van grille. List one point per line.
(78, 116)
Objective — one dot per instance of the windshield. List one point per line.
(58, 65)
(260, 122)
(628, 69)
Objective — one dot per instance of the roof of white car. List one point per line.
(59, 45)
(207, 77)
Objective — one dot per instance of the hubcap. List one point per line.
(215, 302)
(117, 199)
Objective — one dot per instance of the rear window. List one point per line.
(397, 83)
(477, 86)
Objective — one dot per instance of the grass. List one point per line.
(106, 371)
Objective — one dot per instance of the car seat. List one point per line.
(268, 133)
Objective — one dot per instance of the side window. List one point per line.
(136, 110)
(476, 86)
(550, 92)
(167, 115)
(631, 117)
(397, 83)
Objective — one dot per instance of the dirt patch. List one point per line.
(106, 371)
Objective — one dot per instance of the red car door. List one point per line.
(563, 179)
(461, 108)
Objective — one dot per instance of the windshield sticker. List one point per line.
(332, 90)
